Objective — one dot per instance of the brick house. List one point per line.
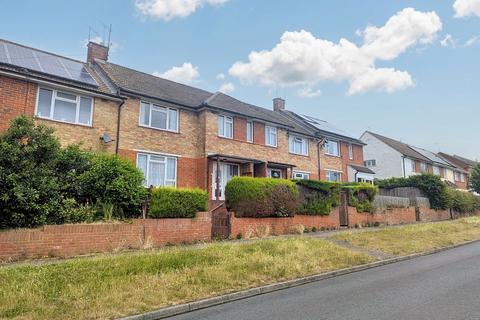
(176, 134)
(392, 158)
(460, 162)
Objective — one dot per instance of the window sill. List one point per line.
(333, 155)
(158, 129)
(65, 122)
(299, 154)
(223, 137)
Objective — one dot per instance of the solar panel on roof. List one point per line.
(40, 61)
(430, 155)
(324, 126)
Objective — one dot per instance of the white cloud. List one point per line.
(186, 73)
(472, 41)
(300, 59)
(465, 8)
(169, 9)
(308, 92)
(227, 87)
(220, 76)
(448, 41)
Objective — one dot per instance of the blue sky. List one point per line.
(417, 79)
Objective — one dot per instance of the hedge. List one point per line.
(463, 202)
(168, 202)
(261, 197)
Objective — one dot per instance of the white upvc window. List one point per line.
(423, 167)
(271, 136)
(334, 176)
(225, 126)
(370, 163)
(250, 131)
(457, 176)
(301, 175)
(158, 170)
(332, 148)
(350, 151)
(64, 106)
(436, 170)
(154, 116)
(462, 177)
(298, 145)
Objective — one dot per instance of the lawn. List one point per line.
(415, 238)
(117, 285)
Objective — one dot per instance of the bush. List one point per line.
(261, 197)
(116, 181)
(72, 212)
(318, 197)
(168, 202)
(463, 202)
(431, 185)
(474, 179)
(361, 196)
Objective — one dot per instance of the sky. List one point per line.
(409, 70)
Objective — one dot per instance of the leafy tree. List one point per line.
(474, 183)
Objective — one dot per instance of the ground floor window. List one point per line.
(275, 173)
(301, 175)
(334, 176)
(158, 170)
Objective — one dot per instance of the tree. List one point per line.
(474, 179)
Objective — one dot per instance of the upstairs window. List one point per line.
(332, 148)
(225, 127)
(370, 163)
(298, 145)
(462, 177)
(457, 176)
(271, 136)
(65, 107)
(158, 170)
(350, 151)
(423, 167)
(157, 117)
(249, 131)
(436, 170)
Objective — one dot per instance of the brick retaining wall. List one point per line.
(427, 214)
(77, 239)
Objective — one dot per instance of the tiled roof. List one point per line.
(401, 147)
(151, 86)
(458, 161)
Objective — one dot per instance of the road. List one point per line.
(445, 285)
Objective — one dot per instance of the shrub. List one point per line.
(463, 202)
(168, 202)
(431, 185)
(318, 197)
(72, 212)
(116, 181)
(474, 179)
(261, 197)
(361, 196)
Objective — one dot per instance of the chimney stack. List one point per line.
(278, 104)
(96, 51)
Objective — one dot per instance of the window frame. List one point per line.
(225, 117)
(305, 175)
(303, 141)
(436, 170)
(456, 176)
(77, 108)
(250, 126)
(275, 129)
(350, 151)
(167, 118)
(327, 175)
(146, 174)
(462, 177)
(370, 163)
(423, 167)
(338, 148)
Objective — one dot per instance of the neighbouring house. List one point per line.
(460, 162)
(176, 134)
(392, 158)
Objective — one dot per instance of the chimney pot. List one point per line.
(96, 51)
(278, 104)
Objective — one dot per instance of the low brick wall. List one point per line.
(426, 214)
(262, 227)
(383, 216)
(78, 239)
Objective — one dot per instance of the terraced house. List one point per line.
(392, 158)
(177, 135)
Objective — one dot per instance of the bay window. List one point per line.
(65, 107)
(158, 170)
(298, 145)
(157, 117)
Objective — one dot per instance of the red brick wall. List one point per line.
(357, 158)
(239, 129)
(258, 133)
(434, 215)
(17, 97)
(71, 240)
(388, 217)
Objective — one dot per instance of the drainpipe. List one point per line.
(403, 169)
(320, 142)
(117, 142)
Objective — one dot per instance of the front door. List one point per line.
(225, 172)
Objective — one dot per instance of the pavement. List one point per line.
(444, 285)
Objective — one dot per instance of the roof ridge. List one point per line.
(40, 50)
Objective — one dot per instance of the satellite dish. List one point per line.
(106, 138)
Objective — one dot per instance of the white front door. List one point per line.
(225, 173)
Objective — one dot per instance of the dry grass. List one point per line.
(113, 286)
(416, 238)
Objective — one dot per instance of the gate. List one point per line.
(220, 223)
(343, 212)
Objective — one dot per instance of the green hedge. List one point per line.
(261, 197)
(318, 197)
(463, 202)
(168, 202)
(361, 196)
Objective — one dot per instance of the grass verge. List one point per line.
(114, 286)
(410, 239)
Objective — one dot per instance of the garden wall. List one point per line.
(383, 216)
(427, 214)
(77, 239)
